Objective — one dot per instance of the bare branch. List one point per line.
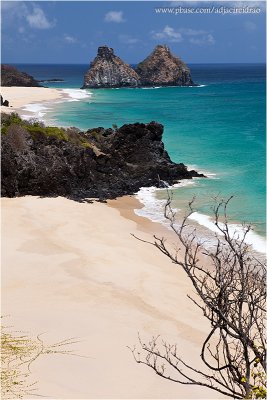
(231, 292)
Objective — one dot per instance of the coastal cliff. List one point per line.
(109, 71)
(10, 76)
(160, 68)
(100, 163)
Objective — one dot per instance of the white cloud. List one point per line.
(202, 40)
(8, 5)
(128, 39)
(70, 39)
(250, 3)
(250, 26)
(192, 32)
(228, 3)
(188, 3)
(169, 34)
(37, 19)
(194, 36)
(242, 4)
(114, 16)
(25, 13)
(13, 10)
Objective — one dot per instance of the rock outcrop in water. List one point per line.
(10, 76)
(162, 68)
(109, 71)
(101, 163)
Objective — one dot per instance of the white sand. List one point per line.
(74, 270)
(19, 97)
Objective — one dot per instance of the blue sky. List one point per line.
(71, 31)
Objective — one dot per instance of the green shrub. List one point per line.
(35, 127)
(59, 133)
(9, 119)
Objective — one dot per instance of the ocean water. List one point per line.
(217, 128)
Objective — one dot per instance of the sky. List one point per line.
(71, 31)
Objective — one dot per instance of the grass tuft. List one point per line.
(18, 352)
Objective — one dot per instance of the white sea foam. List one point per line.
(209, 174)
(257, 242)
(183, 183)
(77, 94)
(37, 109)
(150, 88)
(194, 86)
(153, 209)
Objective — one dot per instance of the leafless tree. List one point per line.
(231, 293)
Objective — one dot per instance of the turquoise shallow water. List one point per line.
(219, 128)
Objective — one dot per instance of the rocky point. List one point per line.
(10, 76)
(99, 163)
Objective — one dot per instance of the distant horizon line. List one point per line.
(192, 63)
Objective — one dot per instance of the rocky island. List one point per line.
(109, 71)
(160, 68)
(99, 163)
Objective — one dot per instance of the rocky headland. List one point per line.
(109, 71)
(99, 163)
(160, 68)
(10, 76)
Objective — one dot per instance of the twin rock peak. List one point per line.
(160, 68)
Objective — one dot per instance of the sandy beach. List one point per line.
(19, 97)
(73, 270)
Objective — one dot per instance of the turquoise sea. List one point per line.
(217, 128)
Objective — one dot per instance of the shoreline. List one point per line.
(21, 97)
(35, 102)
(87, 277)
(153, 209)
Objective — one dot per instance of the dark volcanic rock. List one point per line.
(162, 68)
(109, 71)
(10, 76)
(125, 160)
(4, 103)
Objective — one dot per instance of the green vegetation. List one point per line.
(35, 128)
(18, 352)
